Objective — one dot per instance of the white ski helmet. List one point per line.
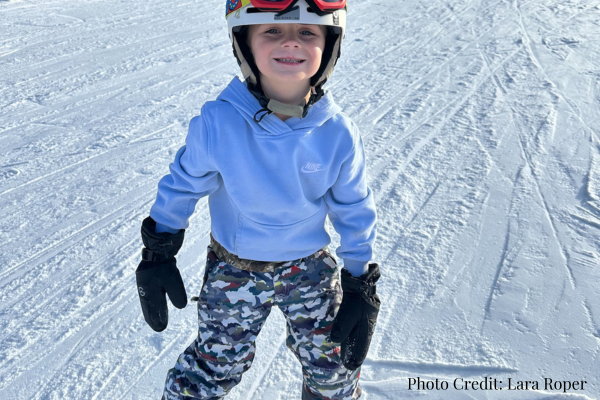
(242, 13)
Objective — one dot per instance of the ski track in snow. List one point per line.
(480, 123)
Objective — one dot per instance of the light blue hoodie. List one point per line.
(272, 184)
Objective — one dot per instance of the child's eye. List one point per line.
(272, 30)
(307, 33)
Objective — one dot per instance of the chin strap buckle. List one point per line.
(286, 109)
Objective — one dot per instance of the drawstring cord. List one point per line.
(266, 112)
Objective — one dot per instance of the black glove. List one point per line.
(157, 274)
(355, 321)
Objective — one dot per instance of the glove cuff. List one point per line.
(162, 246)
(362, 284)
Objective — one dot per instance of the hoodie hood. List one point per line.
(238, 95)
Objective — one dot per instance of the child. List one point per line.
(275, 155)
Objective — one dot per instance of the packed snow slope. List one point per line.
(481, 125)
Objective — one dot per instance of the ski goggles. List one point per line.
(318, 6)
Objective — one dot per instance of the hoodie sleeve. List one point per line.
(352, 210)
(192, 176)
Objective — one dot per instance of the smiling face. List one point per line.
(287, 54)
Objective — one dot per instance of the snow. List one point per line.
(480, 120)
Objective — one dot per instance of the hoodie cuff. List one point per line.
(163, 228)
(355, 267)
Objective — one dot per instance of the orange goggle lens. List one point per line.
(271, 5)
(280, 5)
(321, 7)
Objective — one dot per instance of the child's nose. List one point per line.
(291, 40)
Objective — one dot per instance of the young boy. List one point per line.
(275, 155)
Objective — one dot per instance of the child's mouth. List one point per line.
(289, 60)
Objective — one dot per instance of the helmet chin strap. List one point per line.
(298, 111)
(286, 109)
(291, 110)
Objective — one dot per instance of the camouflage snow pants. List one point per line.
(232, 308)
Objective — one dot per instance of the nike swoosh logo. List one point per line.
(311, 167)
